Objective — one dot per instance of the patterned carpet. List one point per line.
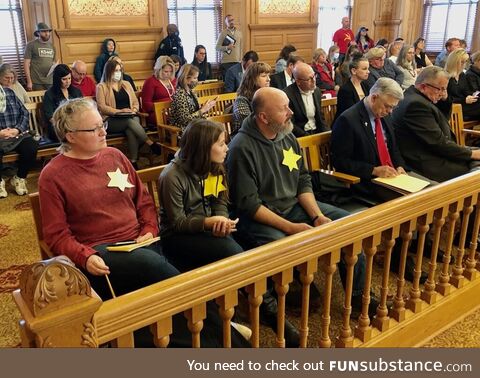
(18, 247)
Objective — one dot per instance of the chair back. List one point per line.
(36, 96)
(162, 112)
(223, 102)
(456, 123)
(209, 89)
(329, 109)
(316, 151)
(35, 117)
(149, 177)
(226, 120)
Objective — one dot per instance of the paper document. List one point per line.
(402, 183)
(132, 246)
(229, 40)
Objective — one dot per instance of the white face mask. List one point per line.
(336, 56)
(117, 76)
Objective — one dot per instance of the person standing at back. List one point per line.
(229, 43)
(171, 44)
(343, 38)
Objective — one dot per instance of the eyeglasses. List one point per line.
(311, 78)
(437, 88)
(97, 129)
(80, 73)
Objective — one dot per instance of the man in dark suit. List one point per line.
(283, 79)
(424, 136)
(234, 74)
(305, 100)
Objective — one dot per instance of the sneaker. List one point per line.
(243, 330)
(3, 192)
(20, 185)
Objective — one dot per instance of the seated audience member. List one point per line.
(234, 74)
(406, 63)
(354, 89)
(271, 191)
(125, 76)
(324, 73)
(81, 80)
(256, 76)
(14, 136)
(60, 91)
(193, 192)
(333, 55)
(381, 67)
(459, 91)
(281, 62)
(177, 62)
(158, 87)
(171, 44)
(363, 144)
(201, 62)
(423, 133)
(473, 73)
(421, 59)
(394, 50)
(106, 52)
(119, 106)
(283, 79)
(305, 101)
(103, 186)
(185, 106)
(383, 43)
(8, 79)
(342, 73)
(364, 42)
(450, 45)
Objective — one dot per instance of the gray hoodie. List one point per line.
(183, 205)
(257, 175)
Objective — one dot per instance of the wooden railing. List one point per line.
(450, 292)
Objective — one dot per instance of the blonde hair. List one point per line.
(317, 53)
(452, 66)
(161, 62)
(67, 116)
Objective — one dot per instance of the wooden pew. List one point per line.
(329, 109)
(459, 127)
(209, 89)
(224, 101)
(36, 96)
(149, 177)
(226, 120)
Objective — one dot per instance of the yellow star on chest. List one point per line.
(119, 180)
(213, 185)
(290, 159)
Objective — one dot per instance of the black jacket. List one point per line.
(347, 96)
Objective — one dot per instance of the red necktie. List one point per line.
(381, 146)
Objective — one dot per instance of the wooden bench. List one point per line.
(36, 96)
(224, 101)
(149, 177)
(226, 120)
(460, 128)
(329, 109)
(209, 89)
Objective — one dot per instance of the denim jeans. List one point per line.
(256, 234)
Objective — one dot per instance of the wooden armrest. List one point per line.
(172, 129)
(471, 132)
(343, 177)
(143, 115)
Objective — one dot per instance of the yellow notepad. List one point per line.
(132, 246)
(403, 183)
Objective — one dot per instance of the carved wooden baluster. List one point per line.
(398, 310)
(443, 286)
(195, 317)
(227, 304)
(161, 331)
(364, 330)
(306, 278)
(124, 341)
(381, 321)
(429, 294)
(414, 303)
(329, 265)
(282, 280)
(345, 339)
(457, 279)
(471, 272)
(255, 292)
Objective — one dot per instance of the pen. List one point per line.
(125, 242)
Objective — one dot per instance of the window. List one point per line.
(12, 37)
(199, 23)
(330, 13)
(444, 19)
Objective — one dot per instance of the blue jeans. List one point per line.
(190, 251)
(130, 271)
(256, 234)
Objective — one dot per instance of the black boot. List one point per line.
(156, 148)
(268, 316)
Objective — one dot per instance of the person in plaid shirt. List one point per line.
(14, 136)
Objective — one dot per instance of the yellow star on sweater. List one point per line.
(290, 159)
(213, 185)
(119, 180)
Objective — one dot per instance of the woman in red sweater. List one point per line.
(324, 73)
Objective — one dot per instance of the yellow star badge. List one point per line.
(213, 185)
(290, 159)
(119, 180)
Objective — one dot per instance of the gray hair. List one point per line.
(429, 74)
(67, 116)
(388, 87)
(402, 58)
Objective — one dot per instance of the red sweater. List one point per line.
(154, 91)
(87, 86)
(79, 211)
